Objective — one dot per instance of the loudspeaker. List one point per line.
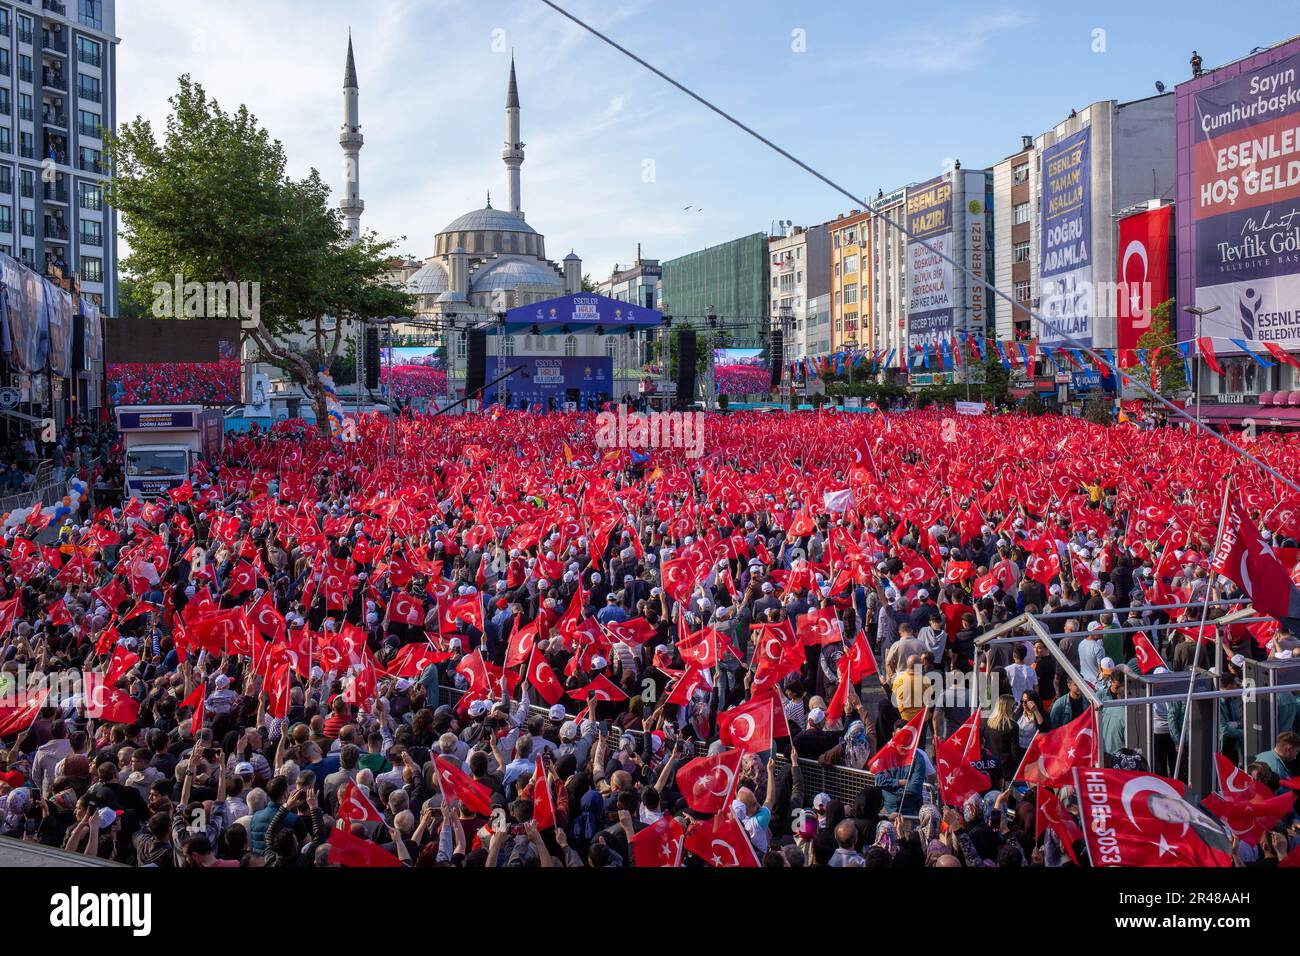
(686, 348)
(476, 366)
(79, 344)
(372, 357)
(776, 357)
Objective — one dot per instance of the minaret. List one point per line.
(513, 155)
(351, 140)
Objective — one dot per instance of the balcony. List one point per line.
(55, 6)
(56, 195)
(57, 154)
(55, 118)
(91, 166)
(55, 231)
(54, 42)
(91, 239)
(54, 80)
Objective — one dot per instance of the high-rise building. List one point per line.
(800, 272)
(888, 320)
(850, 280)
(730, 278)
(637, 282)
(1015, 183)
(58, 93)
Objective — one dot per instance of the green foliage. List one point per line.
(1031, 404)
(210, 200)
(588, 285)
(1098, 409)
(1163, 356)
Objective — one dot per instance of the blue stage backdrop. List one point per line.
(544, 378)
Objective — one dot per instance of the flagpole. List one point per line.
(1218, 643)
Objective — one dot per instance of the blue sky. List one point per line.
(880, 95)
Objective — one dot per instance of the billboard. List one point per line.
(741, 372)
(1065, 265)
(1143, 276)
(929, 274)
(1240, 153)
(172, 361)
(413, 373)
(587, 380)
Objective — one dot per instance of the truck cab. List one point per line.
(162, 443)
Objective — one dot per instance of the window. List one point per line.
(4, 22)
(508, 345)
(1022, 291)
(6, 180)
(29, 222)
(92, 233)
(28, 180)
(90, 196)
(25, 106)
(88, 51)
(1021, 213)
(6, 140)
(88, 123)
(1020, 174)
(570, 346)
(88, 87)
(1020, 251)
(851, 264)
(850, 295)
(24, 29)
(91, 13)
(90, 159)
(26, 145)
(611, 346)
(5, 63)
(24, 67)
(460, 342)
(92, 269)
(6, 220)
(28, 257)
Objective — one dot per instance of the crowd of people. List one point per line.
(174, 383)
(504, 646)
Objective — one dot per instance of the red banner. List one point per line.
(1143, 276)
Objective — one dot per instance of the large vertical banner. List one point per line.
(929, 275)
(1143, 275)
(1244, 161)
(977, 252)
(1065, 269)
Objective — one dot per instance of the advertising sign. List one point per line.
(929, 275)
(1066, 240)
(1242, 152)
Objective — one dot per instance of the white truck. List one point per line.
(163, 442)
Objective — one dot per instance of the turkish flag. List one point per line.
(459, 786)
(412, 659)
(15, 720)
(820, 627)
(1143, 276)
(355, 806)
(985, 586)
(522, 638)
(9, 613)
(660, 844)
(1250, 819)
(404, 609)
(835, 707)
(862, 662)
(966, 738)
(1245, 558)
(901, 749)
(541, 677)
(470, 610)
(196, 700)
(957, 778)
(748, 727)
(633, 633)
(265, 618)
(1051, 756)
(958, 571)
(118, 707)
(121, 662)
(722, 842)
(58, 613)
(1132, 818)
(602, 688)
(1147, 656)
(243, 578)
(112, 594)
(543, 800)
(277, 690)
(708, 783)
(349, 850)
(1052, 814)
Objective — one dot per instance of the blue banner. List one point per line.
(587, 380)
(1065, 264)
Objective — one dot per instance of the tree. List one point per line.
(211, 201)
(587, 284)
(1164, 361)
(1099, 408)
(132, 299)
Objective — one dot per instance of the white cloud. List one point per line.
(942, 51)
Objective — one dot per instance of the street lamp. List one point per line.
(1200, 361)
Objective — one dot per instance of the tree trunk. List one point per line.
(299, 363)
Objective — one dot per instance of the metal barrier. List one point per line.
(841, 783)
(44, 489)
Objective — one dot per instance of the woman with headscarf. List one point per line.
(886, 837)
